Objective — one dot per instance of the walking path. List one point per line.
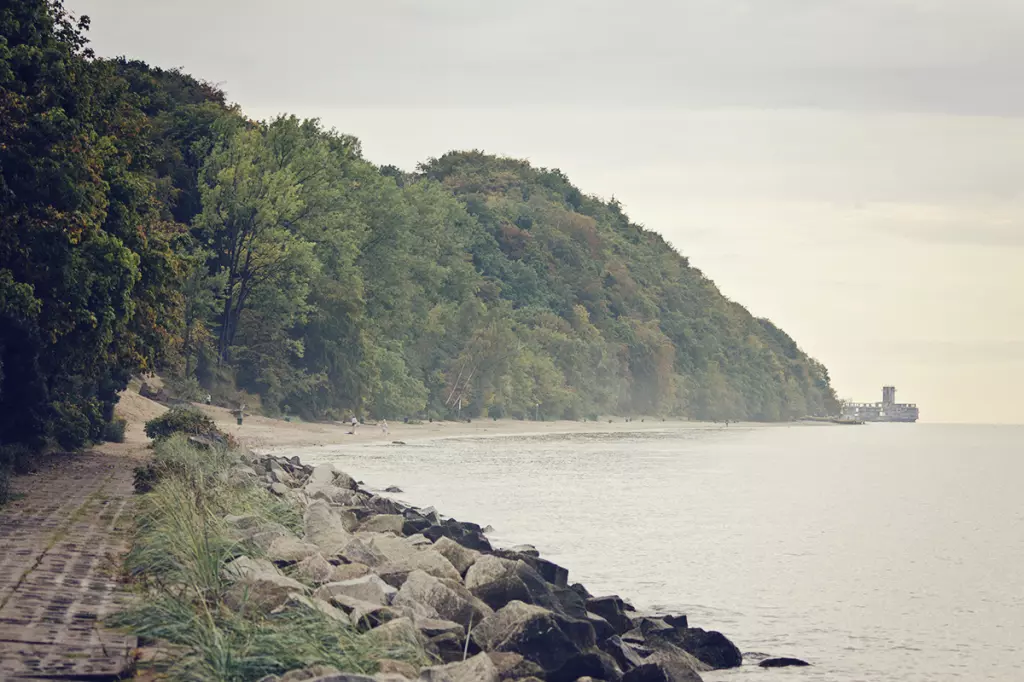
(60, 548)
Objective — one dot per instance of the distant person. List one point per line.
(355, 423)
(384, 426)
(209, 399)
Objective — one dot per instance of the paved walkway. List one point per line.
(60, 548)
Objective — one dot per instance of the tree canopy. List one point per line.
(146, 224)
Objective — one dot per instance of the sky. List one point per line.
(851, 169)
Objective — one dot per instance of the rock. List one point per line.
(676, 621)
(581, 590)
(427, 560)
(365, 615)
(479, 668)
(383, 505)
(279, 489)
(296, 601)
(393, 489)
(389, 666)
(419, 541)
(415, 522)
(499, 581)
(512, 666)
(345, 677)
(314, 569)
(322, 474)
(395, 634)
(538, 634)
(711, 647)
(602, 628)
(361, 551)
(325, 529)
(548, 570)
(383, 523)
(782, 662)
(344, 572)
(529, 550)
(258, 584)
(661, 672)
(339, 497)
(368, 588)
(460, 557)
(466, 534)
(279, 475)
(449, 647)
(309, 673)
(593, 664)
(449, 599)
(626, 657)
(570, 602)
(285, 550)
(611, 609)
(432, 627)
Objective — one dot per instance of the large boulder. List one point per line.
(592, 664)
(479, 668)
(461, 557)
(256, 583)
(449, 598)
(463, 532)
(782, 662)
(512, 666)
(612, 609)
(383, 523)
(626, 657)
(402, 558)
(541, 636)
(396, 635)
(368, 588)
(499, 581)
(343, 572)
(285, 550)
(338, 497)
(325, 529)
(314, 570)
(711, 647)
(667, 665)
(549, 570)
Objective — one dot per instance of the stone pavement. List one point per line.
(60, 548)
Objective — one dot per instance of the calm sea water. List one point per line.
(881, 552)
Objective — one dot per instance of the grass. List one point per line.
(176, 562)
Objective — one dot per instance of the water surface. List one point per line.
(882, 552)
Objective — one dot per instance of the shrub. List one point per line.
(182, 419)
(71, 428)
(113, 430)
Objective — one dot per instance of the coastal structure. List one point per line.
(886, 411)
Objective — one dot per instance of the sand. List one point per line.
(266, 434)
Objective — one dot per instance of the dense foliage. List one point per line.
(148, 225)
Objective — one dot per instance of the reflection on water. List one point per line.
(883, 552)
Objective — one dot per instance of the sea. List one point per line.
(882, 552)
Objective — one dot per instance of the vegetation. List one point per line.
(181, 419)
(176, 563)
(148, 225)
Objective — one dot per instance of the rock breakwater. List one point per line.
(481, 613)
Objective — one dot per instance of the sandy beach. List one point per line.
(266, 434)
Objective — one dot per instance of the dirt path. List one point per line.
(59, 557)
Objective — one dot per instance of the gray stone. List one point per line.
(361, 551)
(541, 636)
(395, 635)
(288, 549)
(314, 569)
(612, 609)
(512, 666)
(309, 673)
(432, 627)
(348, 572)
(782, 662)
(368, 588)
(460, 557)
(258, 584)
(445, 597)
(325, 529)
(279, 489)
(341, 497)
(419, 540)
(322, 474)
(384, 523)
(479, 668)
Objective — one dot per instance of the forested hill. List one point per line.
(147, 225)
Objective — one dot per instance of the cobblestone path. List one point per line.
(59, 557)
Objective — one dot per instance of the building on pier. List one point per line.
(886, 411)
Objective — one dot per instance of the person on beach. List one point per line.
(384, 426)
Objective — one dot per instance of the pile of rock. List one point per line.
(407, 574)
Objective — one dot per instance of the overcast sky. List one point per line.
(851, 169)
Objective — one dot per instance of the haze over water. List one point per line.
(882, 552)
